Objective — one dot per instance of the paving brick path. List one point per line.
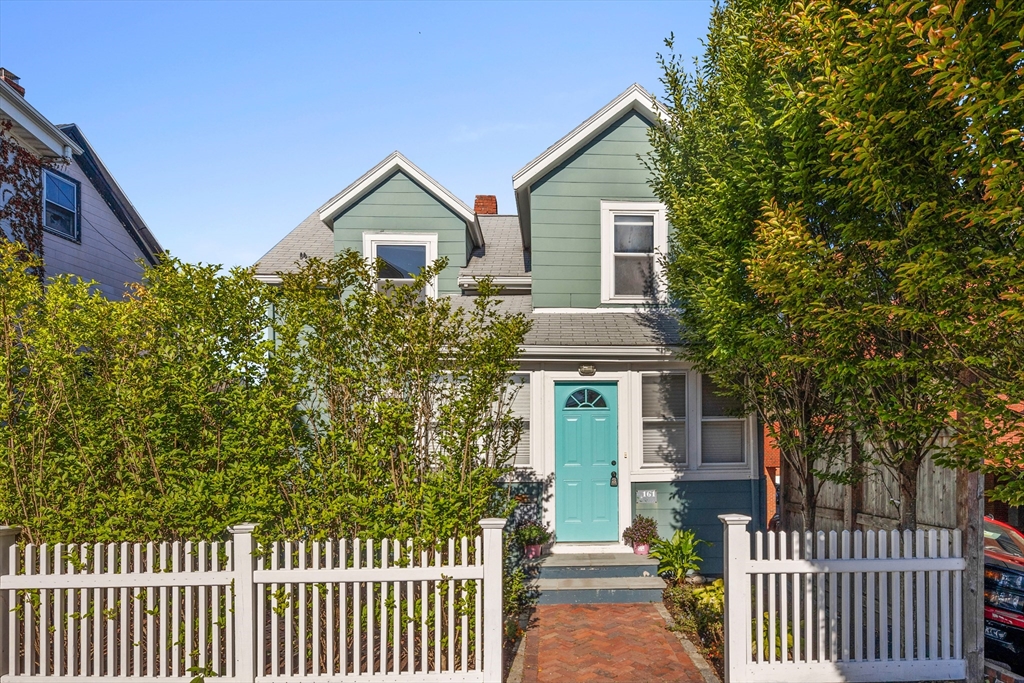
(609, 642)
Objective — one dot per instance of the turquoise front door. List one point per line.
(586, 467)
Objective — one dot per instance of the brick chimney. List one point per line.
(486, 204)
(10, 79)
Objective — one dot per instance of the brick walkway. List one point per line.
(581, 643)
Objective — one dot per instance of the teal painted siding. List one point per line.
(565, 213)
(697, 504)
(398, 204)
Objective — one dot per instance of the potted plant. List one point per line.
(533, 536)
(640, 533)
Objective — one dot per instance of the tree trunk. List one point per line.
(906, 476)
(810, 501)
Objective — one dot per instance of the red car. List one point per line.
(1004, 594)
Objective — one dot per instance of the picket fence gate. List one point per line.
(292, 612)
(849, 607)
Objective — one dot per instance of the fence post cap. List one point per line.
(244, 528)
(10, 530)
(493, 523)
(734, 518)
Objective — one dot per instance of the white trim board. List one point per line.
(392, 163)
(32, 129)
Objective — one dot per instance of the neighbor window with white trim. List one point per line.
(663, 411)
(634, 236)
(403, 257)
(521, 408)
(722, 428)
(60, 205)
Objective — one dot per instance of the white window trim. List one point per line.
(609, 209)
(428, 239)
(77, 237)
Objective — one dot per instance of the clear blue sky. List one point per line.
(228, 123)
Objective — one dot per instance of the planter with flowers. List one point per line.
(640, 534)
(533, 536)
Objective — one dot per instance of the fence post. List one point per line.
(494, 617)
(8, 537)
(244, 602)
(737, 595)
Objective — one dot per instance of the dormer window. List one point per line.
(61, 206)
(634, 235)
(404, 255)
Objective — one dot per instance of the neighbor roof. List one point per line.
(112, 194)
(634, 98)
(393, 163)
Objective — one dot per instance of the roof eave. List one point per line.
(34, 130)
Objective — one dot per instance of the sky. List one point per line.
(227, 123)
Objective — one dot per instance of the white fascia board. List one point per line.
(396, 161)
(635, 98)
(508, 282)
(32, 129)
(610, 352)
(269, 279)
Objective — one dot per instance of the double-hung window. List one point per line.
(61, 205)
(663, 410)
(634, 236)
(722, 430)
(403, 256)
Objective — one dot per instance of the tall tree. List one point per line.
(716, 163)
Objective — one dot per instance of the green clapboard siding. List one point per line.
(565, 212)
(697, 504)
(398, 204)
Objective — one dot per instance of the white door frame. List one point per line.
(625, 432)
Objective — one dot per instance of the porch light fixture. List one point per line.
(587, 369)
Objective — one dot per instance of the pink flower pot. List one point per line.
(533, 551)
(641, 548)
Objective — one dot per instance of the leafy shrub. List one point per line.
(320, 409)
(699, 611)
(678, 556)
(642, 530)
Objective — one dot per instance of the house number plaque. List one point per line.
(647, 496)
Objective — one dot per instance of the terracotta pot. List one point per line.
(641, 548)
(533, 551)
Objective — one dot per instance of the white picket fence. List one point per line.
(866, 606)
(299, 612)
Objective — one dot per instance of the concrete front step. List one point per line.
(630, 589)
(588, 578)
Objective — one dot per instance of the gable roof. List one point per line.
(112, 194)
(32, 129)
(385, 169)
(634, 98)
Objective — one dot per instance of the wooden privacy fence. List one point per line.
(292, 611)
(862, 606)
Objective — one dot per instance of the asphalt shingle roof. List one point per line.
(310, 237)
(502, 254)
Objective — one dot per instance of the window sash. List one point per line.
(664, 443)
(60, 205)
(521, 408)
(723, 442)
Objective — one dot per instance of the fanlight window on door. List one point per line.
(585, 398)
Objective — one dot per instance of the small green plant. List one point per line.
(678, 556)
(642, 530)
(699, 612)
(533, 534)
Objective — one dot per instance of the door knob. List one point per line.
(613, 463)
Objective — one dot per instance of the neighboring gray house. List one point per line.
(613, 417)
(90, 228)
